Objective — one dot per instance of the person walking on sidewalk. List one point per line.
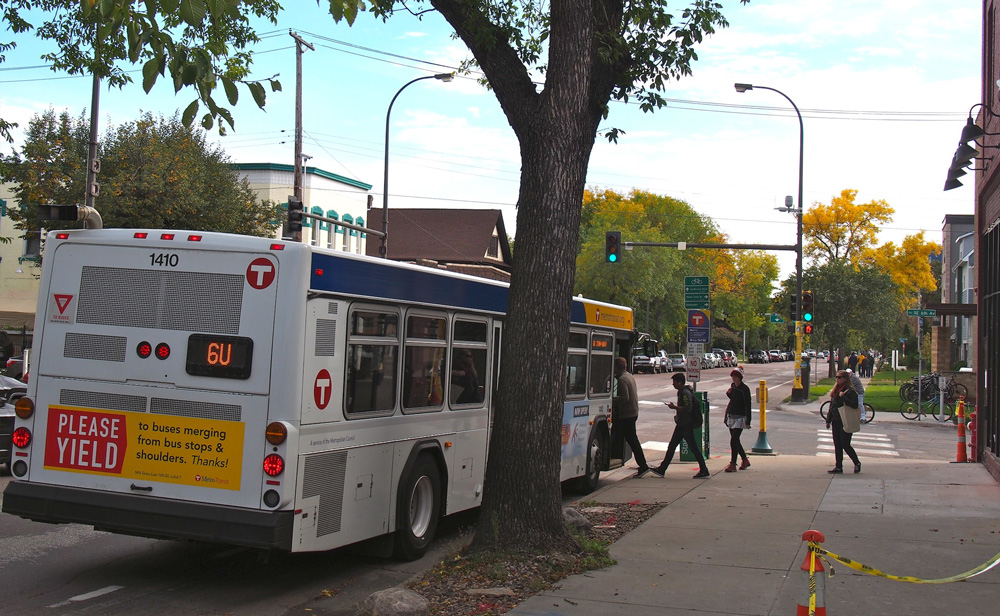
(737, 418)
(626, 401)
(685, 420)
(859, 387)
(845, 419)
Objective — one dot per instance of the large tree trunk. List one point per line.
(556, 129)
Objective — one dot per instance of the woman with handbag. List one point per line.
(845, 419)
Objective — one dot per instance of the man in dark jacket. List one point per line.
(685, 420)
(627, 407)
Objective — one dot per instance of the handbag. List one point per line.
(851, 416)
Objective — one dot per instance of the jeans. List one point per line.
(686, 433)
(842, 443)
(627, 425)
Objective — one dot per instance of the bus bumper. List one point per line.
(149, 517)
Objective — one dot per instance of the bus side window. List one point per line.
(468, 373)
(373, 346)
(576, 364)
(424, 362)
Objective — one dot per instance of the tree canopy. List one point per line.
(156, 173)
(650, 279)
(843, 230)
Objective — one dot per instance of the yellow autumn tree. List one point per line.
(909, 265)
(844, 230)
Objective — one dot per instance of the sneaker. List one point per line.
(834, 471)
(745, 465)
(731, 468)
(642, 472)
(659, 472)
(702, 475)
(857, 467)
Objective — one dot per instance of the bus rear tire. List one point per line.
(597, 448)
(418, 510)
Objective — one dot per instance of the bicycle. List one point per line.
(929, 389)
(866, 417)
(911, 410)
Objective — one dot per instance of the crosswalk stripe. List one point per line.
(856, 442)
(828, 450)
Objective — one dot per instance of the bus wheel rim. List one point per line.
(421, 506)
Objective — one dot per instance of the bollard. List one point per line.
(962, 455)
(812, 602)
(762, 446)
(974, 454)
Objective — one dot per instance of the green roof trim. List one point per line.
(313, 170)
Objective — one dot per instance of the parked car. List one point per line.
(10, 389)
(790, 355)
(731, 358)
(664, 361)
(758, 356)
(14, 368)
(714, 361)
(722, 356)
(776, 355)
(678, 363)
(641, 363)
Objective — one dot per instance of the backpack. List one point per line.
(698, 413)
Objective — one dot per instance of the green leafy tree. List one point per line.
(156, 173)
(649, 279)
(197, 43)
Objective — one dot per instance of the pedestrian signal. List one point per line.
(807, 329)
(807, 306)
(612, 246)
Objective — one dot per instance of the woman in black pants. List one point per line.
(737, 419)
(845, 419)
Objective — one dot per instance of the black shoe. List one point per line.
(834, 471)
(659, 472)
(857, 467)
(702, 475)
(642, 472)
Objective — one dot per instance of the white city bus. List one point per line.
(273, 394)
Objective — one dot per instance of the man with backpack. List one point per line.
(688, 417)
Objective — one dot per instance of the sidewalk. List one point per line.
(731, 544)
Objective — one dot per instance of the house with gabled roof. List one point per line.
(468, 241)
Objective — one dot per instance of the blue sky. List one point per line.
(884, 88)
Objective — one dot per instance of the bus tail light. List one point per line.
(276, 433)
(273, 465)
(24, 407)
(272, 498)
(21, 438)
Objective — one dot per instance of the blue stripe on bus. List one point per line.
(378, 280)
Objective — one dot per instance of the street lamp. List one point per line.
(797, 391)
(382, 250)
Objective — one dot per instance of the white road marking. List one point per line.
(89, 595)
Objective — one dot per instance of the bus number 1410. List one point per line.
(163, 259)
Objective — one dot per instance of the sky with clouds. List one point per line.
(883, 86)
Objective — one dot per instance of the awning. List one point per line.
(17, 308)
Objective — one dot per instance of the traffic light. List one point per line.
(612, 246)
(807, 329)
(294, 214)
(794, 312)
(807, 306)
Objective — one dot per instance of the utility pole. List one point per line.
(299, 43)
(94, 165)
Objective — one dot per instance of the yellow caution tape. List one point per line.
(986, 566)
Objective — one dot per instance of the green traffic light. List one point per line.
(807, 316)
(612, 258)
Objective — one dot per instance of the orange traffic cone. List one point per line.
(812, 602)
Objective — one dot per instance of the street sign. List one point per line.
(697, 334)
(695, 281)
(696, 348)
(776, 319)
(921, 313)
(696, 305)
(693, 368)
(696, 293)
